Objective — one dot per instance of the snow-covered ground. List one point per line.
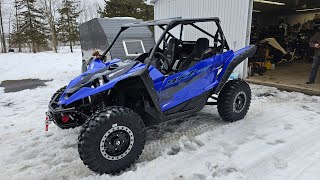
(278, 139)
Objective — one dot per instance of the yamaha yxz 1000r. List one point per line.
(114, 101)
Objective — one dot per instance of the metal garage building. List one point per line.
(235, 16)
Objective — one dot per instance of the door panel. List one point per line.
(190, 83)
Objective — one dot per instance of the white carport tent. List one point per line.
(235, 16)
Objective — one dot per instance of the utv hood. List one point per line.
(78, 87)
(110, 72)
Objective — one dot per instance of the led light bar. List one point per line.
(304, 10)
(270, 2)
(257, 11)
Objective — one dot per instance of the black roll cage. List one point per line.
(167, 24)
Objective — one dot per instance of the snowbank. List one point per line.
(278, 139)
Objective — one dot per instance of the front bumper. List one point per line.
(55, 113)
(54, 108)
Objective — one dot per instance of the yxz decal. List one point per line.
(187, 75)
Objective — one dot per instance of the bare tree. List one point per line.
(3, 40)
(89, 10)
(1, 45)
(9, 31)
(17, 24)
(48, 10)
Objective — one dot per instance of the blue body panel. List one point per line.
(172, 90)
(190, 83)
(93, 67)
(155, 75)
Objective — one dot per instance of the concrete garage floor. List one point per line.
(289, 77)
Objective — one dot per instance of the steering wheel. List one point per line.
(164, 66)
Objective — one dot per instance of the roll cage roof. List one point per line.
(170, 21)
(167, 24)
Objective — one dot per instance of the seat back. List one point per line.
(207, 54)
(171, 51)
(200, 47)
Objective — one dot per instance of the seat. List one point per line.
(200, 47)
(207, 54)
(171, 51)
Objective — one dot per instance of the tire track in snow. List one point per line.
(170, 144)
(293, 152)
(208, 119)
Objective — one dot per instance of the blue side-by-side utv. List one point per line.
(115, 101)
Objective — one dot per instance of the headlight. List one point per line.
(66, 96)
(101, 81)
(112, 74)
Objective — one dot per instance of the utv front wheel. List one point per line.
(112, 140)
(234, 100)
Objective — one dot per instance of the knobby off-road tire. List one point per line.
(111, 140)
(234, 100)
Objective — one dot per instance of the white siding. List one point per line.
(235, 16)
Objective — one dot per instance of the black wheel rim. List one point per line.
(116, 143)
(239, 102)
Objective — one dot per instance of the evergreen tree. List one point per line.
(30, 26)
(67, 23)
(127, 8)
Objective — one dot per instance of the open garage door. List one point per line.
(284, 57)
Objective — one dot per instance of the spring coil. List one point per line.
(103, 102)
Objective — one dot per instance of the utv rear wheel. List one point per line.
(234, 100)
(112, 140)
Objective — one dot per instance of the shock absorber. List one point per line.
(103, 101)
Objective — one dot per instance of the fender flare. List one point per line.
(143, 74)
(237, 59)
